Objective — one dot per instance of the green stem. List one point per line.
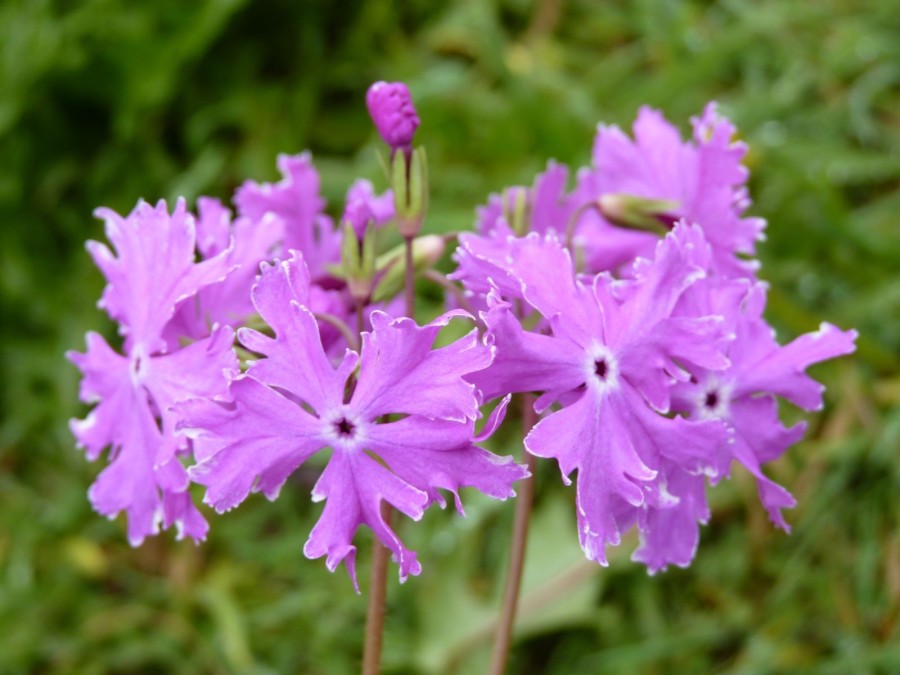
(409, 279)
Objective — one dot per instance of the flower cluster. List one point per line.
(655, 367)
(630, 305)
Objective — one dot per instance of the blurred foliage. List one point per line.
(105, 101)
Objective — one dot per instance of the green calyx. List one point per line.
(358, 262)
(409, 181)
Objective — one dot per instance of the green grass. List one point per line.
(105, 101)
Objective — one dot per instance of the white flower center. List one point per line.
(343, 429)
(601, 369)
(713, 398)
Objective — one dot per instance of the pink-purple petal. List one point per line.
(260, 436)
(401, 373)
(353, 487)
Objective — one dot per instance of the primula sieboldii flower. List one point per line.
(245, 243)
(483, 260)
(704, 178)
(393, 113)
(297, 201)
(744, 394)
(152, 272)
(610, 363)
(296, 204)
(293, 403)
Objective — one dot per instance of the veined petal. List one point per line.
(179, 510)
(132, 483)
(525, 361)
(353, 486)
(297, 200)
(253, 443)
(483, 262)
(107, 382)
(296, 359)
(782, 371)
(696, 446)
(198, 370)
(153, 269)
(670, 535)
(759, 438)
(401, 373)
(589, 436)
(439, 454)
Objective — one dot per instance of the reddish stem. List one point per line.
(503, 634)
(377, 601)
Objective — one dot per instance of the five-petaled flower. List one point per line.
(400, 428)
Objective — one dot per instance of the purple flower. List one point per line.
(704, 177)
(153, 272)
(245, 243)
(297, 201)
(612, 355)
(744, 394)
(393, 113)
(483, 259)
(293, 403)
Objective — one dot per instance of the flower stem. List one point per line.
(380, 553)
(377, 601)
(345, 330)
(409, 279)
(503, 634)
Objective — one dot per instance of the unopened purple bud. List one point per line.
(391, 108)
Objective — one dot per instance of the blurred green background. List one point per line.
(106, 101)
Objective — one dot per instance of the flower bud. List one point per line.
(359, 214)
(517, 210)
(393, 113)
(638, 213)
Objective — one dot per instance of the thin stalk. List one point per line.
(458, 293)
(409, 279)
(503, 633)
(377, 601)
(351, 337)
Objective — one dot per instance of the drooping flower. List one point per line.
(393, 113)
(152, 273)
(610, 359)
(293, 403)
